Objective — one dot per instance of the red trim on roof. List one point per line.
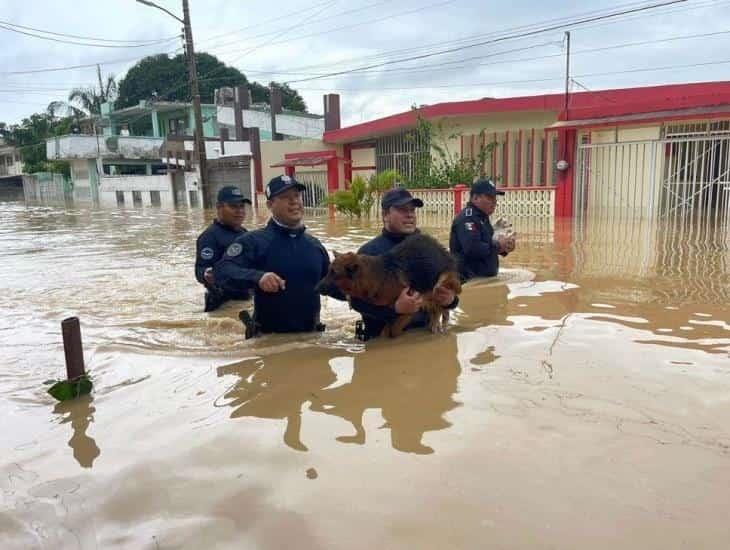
(583, 105)
(326, 154)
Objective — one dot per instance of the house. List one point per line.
(11, 172)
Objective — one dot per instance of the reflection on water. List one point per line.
(600, 353)
(80, 413)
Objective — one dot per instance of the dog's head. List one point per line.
(343, 275)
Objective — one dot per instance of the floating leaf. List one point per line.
(65, 390)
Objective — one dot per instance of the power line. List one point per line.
(530, 81)
(87, 44)
(492, 41)
(320, 20)
(80, 37)
(470, 39)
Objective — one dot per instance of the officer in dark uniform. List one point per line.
(472, 238)
(398, 208)
(281, 262)
(212, 243)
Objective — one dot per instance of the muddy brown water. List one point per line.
(581, 399)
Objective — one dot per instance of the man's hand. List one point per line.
(443, 296)
(271, 282)
(509, 245)
(208, 276)
(409, 302)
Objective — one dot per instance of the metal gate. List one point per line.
(674, 179)
(316, 188)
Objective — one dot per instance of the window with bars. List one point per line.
(401, 152)
(690, 129)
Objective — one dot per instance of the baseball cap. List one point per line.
(485, 187)
(232, 195)
(399, 197)
(280, 184)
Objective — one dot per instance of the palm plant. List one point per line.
(89, 99)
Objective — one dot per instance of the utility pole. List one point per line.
(567, 72)
(195, 92)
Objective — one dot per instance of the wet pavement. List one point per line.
(581, 399)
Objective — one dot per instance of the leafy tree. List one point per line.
(29, 137)
(167, 78)
(439, 167)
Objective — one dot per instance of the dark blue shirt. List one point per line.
(375, 318)
(471, 243)
(293, 255)
(209, 249)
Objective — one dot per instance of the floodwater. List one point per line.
(581, 400)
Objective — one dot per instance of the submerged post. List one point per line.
(73, 348)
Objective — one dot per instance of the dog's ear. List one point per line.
(352, 269)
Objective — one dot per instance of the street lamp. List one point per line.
(195, 92)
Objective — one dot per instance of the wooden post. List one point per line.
(72, 348)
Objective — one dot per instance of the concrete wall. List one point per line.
(89, 147)
(10, 163)
(273, 152)
(127, 184)
(363, 158)
(286, 123)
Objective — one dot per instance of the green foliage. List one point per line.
(29, 137)
(358, 200)
(439, 168)
(65, 390)
(168, 78)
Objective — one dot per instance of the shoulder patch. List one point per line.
(207, 253)
(234, 250)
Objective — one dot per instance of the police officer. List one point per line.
(472, 238)
(281, 262)
(212, 243)
(398, 208)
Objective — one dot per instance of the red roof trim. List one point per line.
(583, 105)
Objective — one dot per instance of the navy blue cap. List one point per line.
(280, 184)
(232, 195)
(485, 187)
(399, 197)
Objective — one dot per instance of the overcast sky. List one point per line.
(304, 38)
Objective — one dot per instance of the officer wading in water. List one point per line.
(281, 262)
(213, 242)
(472, 238)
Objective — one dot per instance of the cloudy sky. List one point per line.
(304, 41)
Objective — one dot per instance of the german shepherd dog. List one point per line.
(419, 262)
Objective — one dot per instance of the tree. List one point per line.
(29, 137)
(167, 79)
(89, 99)
(359, 199)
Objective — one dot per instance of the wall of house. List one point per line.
(363, 162)
(144, 185)
(273, 152)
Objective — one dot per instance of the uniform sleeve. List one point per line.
(386, 314)
(470, 239)
(206, 255)
(238, 268)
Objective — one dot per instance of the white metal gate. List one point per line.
(674, 179)
(316, 187)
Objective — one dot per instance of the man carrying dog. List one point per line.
(472, 238)
(212, 243)
(281, 262)
(398, 209)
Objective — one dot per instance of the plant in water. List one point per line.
(358, 200)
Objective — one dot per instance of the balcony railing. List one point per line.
(109, 147)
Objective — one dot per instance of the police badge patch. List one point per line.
(234, 250)
(470, 226)
(207, 253)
